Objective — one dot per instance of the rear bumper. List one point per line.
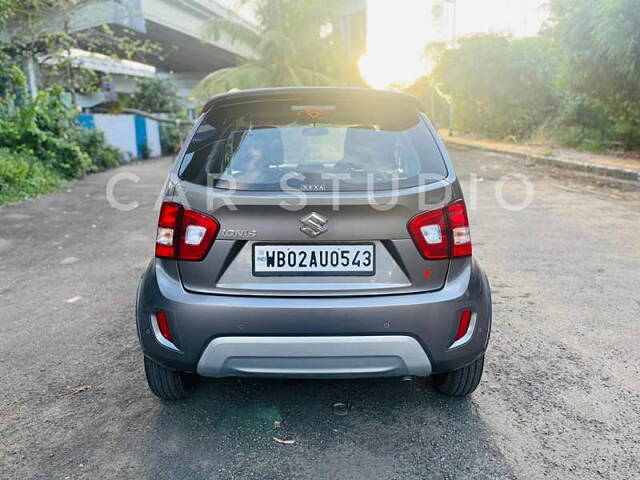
(314, 357)
(384, 335)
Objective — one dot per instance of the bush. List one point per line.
(169, 138)
(598, 43)
(577, 82)
(42, 146)
(500, 86)
(44, 129)
(22, 176)
(145, 151)
(93, 143)
(581, 138)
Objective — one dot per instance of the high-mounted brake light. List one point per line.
(184, 234)
(442, 233)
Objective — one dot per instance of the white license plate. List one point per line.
(313, 260)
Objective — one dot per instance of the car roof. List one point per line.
(310, 94)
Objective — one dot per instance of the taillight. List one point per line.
(184, 234)
(442, 233)
(459, 225)
(197, 233)
(168, 223)
(429, 232)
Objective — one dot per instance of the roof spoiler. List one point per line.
(311, 94)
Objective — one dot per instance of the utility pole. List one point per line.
(453, 45)
(32, 80)
(454, 33)
(437, 11)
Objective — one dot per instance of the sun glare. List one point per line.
(381, 70)
(395, 41)
(399, 30)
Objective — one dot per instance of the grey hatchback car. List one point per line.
(313, 233)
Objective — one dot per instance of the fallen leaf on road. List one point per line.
(283, 442)
(69, 260)
(79, 388)
(74, 299)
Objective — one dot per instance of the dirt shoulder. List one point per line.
(626, 168)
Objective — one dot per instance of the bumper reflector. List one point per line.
(463, 325)
(163, 325)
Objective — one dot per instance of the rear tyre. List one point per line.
(460, 382)
(166, 384)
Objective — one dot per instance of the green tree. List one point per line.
(434, 103)
(294, 43)
(41, 147)
(499, 85)
(47, 32)
(599, 44)
(155, 96)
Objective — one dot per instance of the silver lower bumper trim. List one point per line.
(314, 357)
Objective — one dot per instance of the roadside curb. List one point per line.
(604, 170)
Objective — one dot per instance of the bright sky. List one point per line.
(398, 31)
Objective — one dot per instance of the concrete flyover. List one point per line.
(174, 24)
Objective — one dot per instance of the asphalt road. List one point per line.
(560, 397)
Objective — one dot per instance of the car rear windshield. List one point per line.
(283, 145)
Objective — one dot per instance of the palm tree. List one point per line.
(295, 45)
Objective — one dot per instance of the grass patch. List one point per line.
(22, 176)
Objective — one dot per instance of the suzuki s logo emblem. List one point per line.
(313, 224)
